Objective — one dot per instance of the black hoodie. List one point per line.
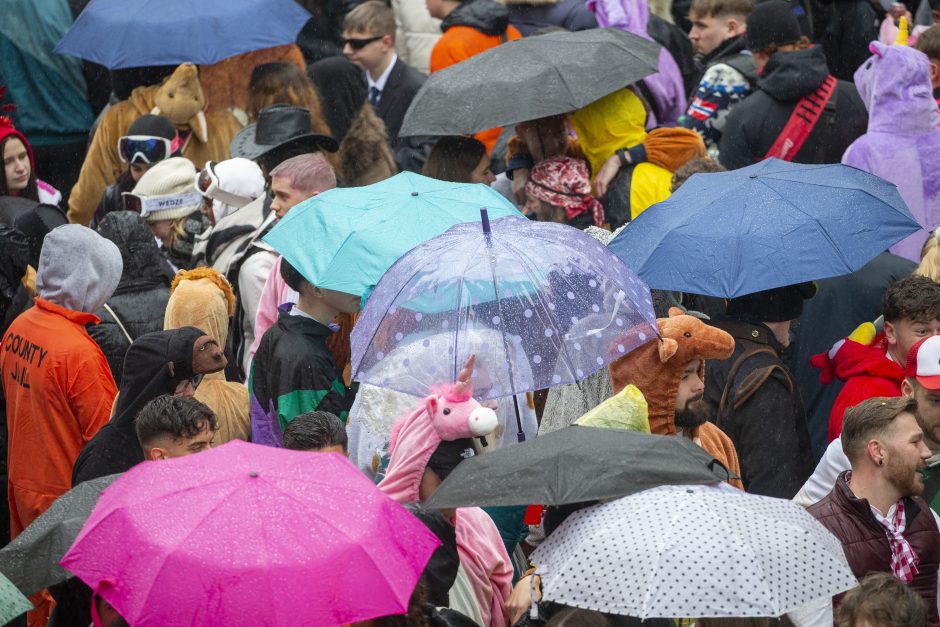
(487, 16)
(115, 447)
(754, 124)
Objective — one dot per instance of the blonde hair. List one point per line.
(930, 257)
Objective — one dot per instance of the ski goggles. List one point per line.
(146, 149)
(207, 182)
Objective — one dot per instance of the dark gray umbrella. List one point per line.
(574, 465)
(528, 79)
(31, 560)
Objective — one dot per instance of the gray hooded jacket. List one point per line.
(78, 269)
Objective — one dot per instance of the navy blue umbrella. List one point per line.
(120, 34)
(771, 224)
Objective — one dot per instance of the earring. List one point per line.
(881, 462)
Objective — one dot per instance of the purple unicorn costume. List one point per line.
(902, 144)
(666, 85)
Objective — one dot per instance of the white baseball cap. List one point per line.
(923, 362)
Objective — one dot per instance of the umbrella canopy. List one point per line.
(692, 551)
(771, 224)
(246, 535)
(169, 32)
(12, 601)
(345, 239)
(31, 560)
(539, 304)
(574, 465)
(528, 79)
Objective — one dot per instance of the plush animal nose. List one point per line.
(482, 421)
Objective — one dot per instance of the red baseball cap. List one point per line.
(923, 362)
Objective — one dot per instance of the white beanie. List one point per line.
(241, 177)
(167, 191)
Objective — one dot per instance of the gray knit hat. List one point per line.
(167, 191)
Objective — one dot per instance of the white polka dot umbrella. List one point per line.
(692, 551)
(539, 304)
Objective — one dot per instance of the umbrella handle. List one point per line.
(485, 218)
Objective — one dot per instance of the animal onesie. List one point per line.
(862, 362)
(181, 99)
(201, 298)
(656, 369)
(902, 144)
(483, 556)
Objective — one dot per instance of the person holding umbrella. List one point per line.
(470, 27)
(752, 396)
(293, 371)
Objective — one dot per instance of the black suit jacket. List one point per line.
(402, 85)
(400, 89)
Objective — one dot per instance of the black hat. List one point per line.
(279, 126)
(777, 305)
(153, 126)
(448, 454)
(772, 23)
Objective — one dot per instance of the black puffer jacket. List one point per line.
(139, 301)
(753, 125)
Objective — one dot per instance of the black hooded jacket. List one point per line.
(754, 124)
(140, 299)
(487, 16)
(115, 447)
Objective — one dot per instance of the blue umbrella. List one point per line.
(345, 239)
(771, 224)
(120, 34)
(539, 304)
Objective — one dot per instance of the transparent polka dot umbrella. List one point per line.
(692, 551)
(539, 304)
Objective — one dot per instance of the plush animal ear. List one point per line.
(667, 348)
(432, 404)
(675, 311)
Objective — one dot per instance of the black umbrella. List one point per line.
(31, 560)
(574, 465)
(528, 79)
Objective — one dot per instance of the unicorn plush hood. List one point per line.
(895, 86)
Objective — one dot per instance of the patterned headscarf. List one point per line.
(564, 182)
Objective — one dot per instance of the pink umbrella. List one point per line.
(250, 535)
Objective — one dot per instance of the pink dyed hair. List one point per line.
(310, 173)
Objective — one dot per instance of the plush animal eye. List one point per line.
(687, 334)
(446, 411)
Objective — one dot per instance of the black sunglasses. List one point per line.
(359, 44)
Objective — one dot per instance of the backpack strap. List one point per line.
(807, 112)
(120, 324)
(752, 383)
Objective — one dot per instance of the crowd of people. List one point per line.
(145, 317)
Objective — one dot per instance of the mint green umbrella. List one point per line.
(12, 601)
(345, 239)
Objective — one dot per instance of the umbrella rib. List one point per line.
(564, 350)
(463, 277)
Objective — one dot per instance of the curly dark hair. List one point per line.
(174, 416)
(914, 297)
